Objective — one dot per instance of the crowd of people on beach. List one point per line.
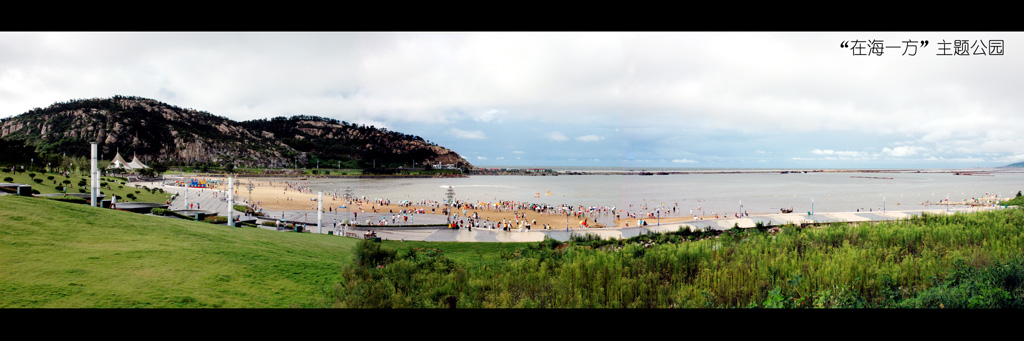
(467, 214)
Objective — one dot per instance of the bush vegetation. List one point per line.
(941, 261)
(216, 219)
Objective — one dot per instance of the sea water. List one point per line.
(704, 194)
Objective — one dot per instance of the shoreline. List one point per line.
(292, 195)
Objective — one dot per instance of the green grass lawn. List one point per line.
(116, 184)
(64, 255)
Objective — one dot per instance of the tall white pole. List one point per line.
(319, 211)
(231, 200)
(92, 175)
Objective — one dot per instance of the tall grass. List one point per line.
(888, 264)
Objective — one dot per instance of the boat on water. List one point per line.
(786, 211)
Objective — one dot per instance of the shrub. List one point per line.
(129, 195)
(66, 182)
(59, 188)
(49, 177)
(32, 175)
(370, 254)
(36, 191)
(81, 190)
(8, 179)
(216, 220)
(167, 212)
(38, 181)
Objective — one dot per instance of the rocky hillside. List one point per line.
(158, 132)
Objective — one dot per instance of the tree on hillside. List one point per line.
(158, 168)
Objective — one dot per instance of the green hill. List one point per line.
(160, 133)
(64, 255)
(1016, 165)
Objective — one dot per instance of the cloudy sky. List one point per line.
(721, 99)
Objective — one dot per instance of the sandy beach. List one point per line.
(290, 194)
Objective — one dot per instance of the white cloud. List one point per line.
(683, 161)
(556, 136)
(518, 152)
(489, 115)
(903, 151)
(466, 134)
(590, 138)
(845, 153)
(646, 86)
(481, 158)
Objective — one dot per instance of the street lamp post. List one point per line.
(231, 200)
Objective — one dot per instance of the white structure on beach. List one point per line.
(119, 162)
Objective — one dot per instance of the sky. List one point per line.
(607, 99)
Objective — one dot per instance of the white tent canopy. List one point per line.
(119, 162)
